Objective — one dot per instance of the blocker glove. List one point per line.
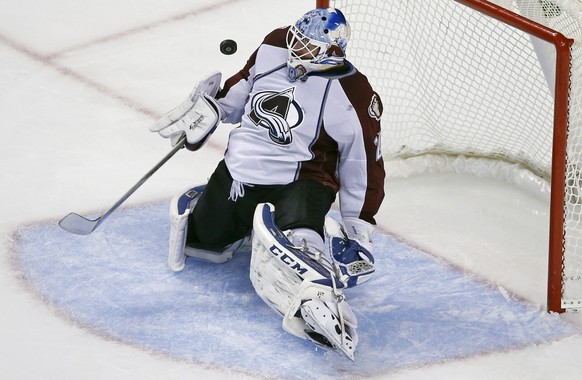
(197, 116)
(351, 249)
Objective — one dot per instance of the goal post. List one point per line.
(561, 93)
(498, 82)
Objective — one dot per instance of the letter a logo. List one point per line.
(278, 112)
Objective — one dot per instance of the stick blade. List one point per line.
(78, 225)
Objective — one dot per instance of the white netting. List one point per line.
(456, 82)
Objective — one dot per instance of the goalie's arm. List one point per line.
(356, 129)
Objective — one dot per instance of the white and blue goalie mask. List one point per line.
(317, 42)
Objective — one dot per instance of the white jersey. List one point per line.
(326, 128)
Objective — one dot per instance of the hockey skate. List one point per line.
(301, 286)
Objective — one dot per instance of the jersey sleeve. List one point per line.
(360, 167)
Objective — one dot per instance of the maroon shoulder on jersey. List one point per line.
(277, 37)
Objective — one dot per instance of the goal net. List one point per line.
(488, 87)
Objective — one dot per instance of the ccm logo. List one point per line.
(288, 260)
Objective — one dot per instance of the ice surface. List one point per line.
(80, 83)
(418, 310)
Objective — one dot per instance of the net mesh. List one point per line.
(456, 82)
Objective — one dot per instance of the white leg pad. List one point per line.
(288, 277)
(176, 256)
(181, 207)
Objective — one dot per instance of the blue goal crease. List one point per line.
(416, 310)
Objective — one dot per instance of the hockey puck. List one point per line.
(228, 47)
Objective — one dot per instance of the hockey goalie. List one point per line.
(307, 129)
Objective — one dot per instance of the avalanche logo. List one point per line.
(278, 112)
(375, 108)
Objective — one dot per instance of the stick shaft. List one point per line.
(170, 154)
(80, 225)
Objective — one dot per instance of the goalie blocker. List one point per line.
(301, 286)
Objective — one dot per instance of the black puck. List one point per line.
(228, 47)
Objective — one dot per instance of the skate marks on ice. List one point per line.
(416, 311)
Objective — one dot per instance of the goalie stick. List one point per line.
(191, 121)
(80, 225)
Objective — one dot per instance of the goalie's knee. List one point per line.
(306, 238)
(181, 207)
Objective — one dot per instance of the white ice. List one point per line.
(79, 85)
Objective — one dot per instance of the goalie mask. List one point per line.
(317, 42)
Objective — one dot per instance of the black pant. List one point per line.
(218, 221)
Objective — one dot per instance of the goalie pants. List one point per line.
(218, 221)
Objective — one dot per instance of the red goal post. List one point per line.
(560, 91)
(562, 45)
